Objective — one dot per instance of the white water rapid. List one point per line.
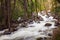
(39, 30)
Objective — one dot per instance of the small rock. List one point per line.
(38, 21)
(23, 24)
(40, 18)
(57, 23)
(30, 21)
(18, 38)
(39, 31)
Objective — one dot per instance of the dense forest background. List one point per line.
(12, 9)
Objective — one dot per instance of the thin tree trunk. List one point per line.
(2, 10)
(31, 8)
(25, 8)
(8, 7)
(14, 3)
(36, 7)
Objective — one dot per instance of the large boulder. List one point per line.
(47, 24)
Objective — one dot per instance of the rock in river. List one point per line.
(47, 24)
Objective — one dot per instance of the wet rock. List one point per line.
(40, 18)
(49, 34)
(42, 38)
(23, 24)
(39, 38)
(31, 26)
(30, 21)
(47, 24)
(18, 38)
(29, 38)
(7, 31)
(22, 20)
(45, 38)
(57, 23)
(14, 25)
(39, 31)
(2, 27)
(38, 21)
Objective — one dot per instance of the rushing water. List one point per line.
(31, 33)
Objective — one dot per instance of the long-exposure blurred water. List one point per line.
(32, 33)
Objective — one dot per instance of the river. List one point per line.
(38, 30)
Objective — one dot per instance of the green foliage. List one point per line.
(17, 13)
(58, 37)
(42, 4)
(32, 6)
(57, 9)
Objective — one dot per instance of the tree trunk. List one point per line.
(25, 8)
(2, 10)
(14, 3)
(31, 9)
(6, 11)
